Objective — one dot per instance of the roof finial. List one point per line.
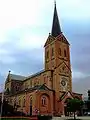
(9, 71)
(54, 2)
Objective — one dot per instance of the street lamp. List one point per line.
(2, 97)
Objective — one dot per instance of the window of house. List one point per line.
(60, 51)
(31, 83)
(52, 51)
(35, 83)
(17, 88)
(26, 85)
(44, 80)
(24, 102)
(11, 101)
(65, 53)
(47, 55)
(19, 102)
(7, 91)
(43, 100)
(30, 100)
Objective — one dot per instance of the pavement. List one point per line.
(65, 118)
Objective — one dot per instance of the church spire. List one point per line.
(56, 30)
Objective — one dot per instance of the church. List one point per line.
(47, 91)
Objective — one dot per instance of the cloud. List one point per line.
(82, 85)
(74, 9)
(24, 28)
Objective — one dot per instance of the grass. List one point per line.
(74, 119)
(14, 119)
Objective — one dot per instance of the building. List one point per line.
(47, 91)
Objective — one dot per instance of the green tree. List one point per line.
(88, 101)
(88, 105)
(74, 105)
(6, 108)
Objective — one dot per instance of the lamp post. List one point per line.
(2, 97)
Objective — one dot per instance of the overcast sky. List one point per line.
(24, 28)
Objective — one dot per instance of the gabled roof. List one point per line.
(70, 93)
(36, 74)
(38, 87)
(64, 94)
(44, 87)
(17, 77)
(65, 64)
(62, 38)
(14, 77)
(49, 40)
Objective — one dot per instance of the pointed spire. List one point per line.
(56, 30)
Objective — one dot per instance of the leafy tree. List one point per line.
(6, 108)
(88, 101)
(74, 105)
(88, 105)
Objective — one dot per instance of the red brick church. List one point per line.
(47, 91)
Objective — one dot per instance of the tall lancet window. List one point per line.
(65, 54)
(52, 52)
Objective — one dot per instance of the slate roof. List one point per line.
(56, 30)
(36, 74)
(38, 87)
(17, 77)
(65, 93)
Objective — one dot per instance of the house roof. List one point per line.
(23, 78)
(36, 74)
(17, 77)
(38, 87)
(65, 64)
(71, 93)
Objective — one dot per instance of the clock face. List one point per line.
(63, 82)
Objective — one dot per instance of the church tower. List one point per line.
(57, 56)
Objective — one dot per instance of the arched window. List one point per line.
(35, 83)
(7, 91)
(19, 102)
(43, 100)
(52, 52)
(30, 100)
(47, 54)
(31, 83)
(65, 54)
(24, 102)
(59, 51)
(44, 79)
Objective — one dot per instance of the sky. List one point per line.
(25, 26)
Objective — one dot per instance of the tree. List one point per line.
(6, 108)
(74, 105)
(88, 94)
(88, 105)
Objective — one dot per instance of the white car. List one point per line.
(88, 113)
